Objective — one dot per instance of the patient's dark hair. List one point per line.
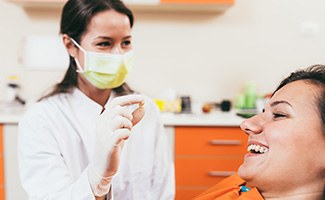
(315, 75)
(75, 17)
(323, 196)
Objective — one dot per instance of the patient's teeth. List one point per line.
(257, 148)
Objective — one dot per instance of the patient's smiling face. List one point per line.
(291, 134)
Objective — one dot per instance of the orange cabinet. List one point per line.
(40, 1)
(204, 156)
(225, 2)
(161, 5)
(2, 177)
(229, 2)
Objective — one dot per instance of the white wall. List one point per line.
(207, 56)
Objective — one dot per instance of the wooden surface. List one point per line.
(162, 5)
(227, 2)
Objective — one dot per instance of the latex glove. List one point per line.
(113, 127)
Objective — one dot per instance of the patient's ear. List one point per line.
(71, 48)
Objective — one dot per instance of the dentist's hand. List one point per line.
(113, 127)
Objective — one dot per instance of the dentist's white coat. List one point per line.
(56, 141)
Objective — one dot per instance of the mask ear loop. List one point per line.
(79, 70)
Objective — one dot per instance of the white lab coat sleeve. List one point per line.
(43, 172)
(164, 173)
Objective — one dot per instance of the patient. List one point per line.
(286, 145)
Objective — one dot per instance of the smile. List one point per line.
(254, 148)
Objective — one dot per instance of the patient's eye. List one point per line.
(278, 115)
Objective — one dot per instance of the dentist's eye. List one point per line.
(104, 44)
(126, 43)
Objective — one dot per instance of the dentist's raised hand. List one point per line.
(113, 128)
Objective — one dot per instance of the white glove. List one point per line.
(113, 127)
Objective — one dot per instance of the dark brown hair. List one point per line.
(315, 75)
(76, 15)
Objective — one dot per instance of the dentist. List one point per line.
(92, 137)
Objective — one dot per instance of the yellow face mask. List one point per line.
(104, 70)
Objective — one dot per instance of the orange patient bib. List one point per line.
(229, 189)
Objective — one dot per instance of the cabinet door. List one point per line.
(205, 156)
(14, 189)
(161, 1)
(213, 141)
(2, 178)
(39, 1)
(204, 171)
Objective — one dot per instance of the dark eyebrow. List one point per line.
(280, 102)
(103, 37)
(109, 38)
(127, 37)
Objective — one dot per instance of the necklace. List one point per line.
(244, 188)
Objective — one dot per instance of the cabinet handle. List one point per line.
(225, 142)
(221, 173)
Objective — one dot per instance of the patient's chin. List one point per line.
(245, 172)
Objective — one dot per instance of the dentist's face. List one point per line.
(287, 143)
(107, 32)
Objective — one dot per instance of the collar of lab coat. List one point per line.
(86, 112)
(85, 105)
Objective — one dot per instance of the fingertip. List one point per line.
(122, 134)
(141, 104)
(130, 99)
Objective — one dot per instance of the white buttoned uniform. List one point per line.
(56, 141)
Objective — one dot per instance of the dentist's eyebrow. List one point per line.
(275, 103)
(103, 38)
(110, 38)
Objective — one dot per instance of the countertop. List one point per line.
(216, 118)
(10, 118)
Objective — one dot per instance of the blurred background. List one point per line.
(191, 57)
(207, 55)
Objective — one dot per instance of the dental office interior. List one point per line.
(207, 64)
